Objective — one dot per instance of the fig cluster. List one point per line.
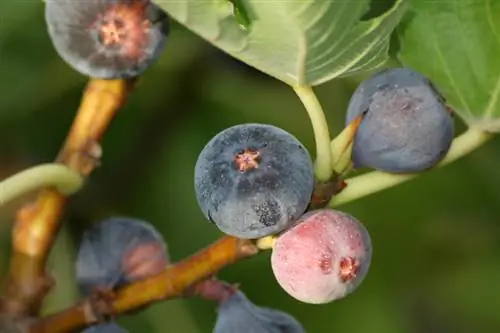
(257, 180)
(251, 180)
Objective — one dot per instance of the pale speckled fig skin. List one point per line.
(257, 202)
(239, 314)
(307, 258)
(104, 247)
(407, 127)
(68, 23)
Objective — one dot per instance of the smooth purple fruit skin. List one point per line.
(306, 258)
(239, 314)
(110, 327)
(99, 258)
(262, 201)
(67, 22)
(407, 127)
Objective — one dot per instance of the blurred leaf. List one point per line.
(297, 42)
(457, 44)
(468, 292)
(18, 12)
(32, 75)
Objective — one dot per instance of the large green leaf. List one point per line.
(297, 42)
(457, 44)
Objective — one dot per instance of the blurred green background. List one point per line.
(436, 239)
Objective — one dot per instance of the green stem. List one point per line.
(55, 175)
(375, 181)
(324, 164)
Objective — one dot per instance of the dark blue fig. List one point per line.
(238, 314)
(117, 251)
(407, 126)
(253, 180)
(107, 39)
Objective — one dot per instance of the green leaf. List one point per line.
(457, 45)
(303, 42)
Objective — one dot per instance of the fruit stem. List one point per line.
(56, 175)
(266, 243)
(214, 290)
(323, 165)
(375, 181)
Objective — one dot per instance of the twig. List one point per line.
(323, 165)
(38, 223)
(173, 282)
(375, 181)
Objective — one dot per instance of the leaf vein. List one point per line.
(333, 47)
(490, 20)
(328, 32)
(464, 42)
(490, 109)
(446, 68)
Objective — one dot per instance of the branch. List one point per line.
(38, 223)
(174, 282)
